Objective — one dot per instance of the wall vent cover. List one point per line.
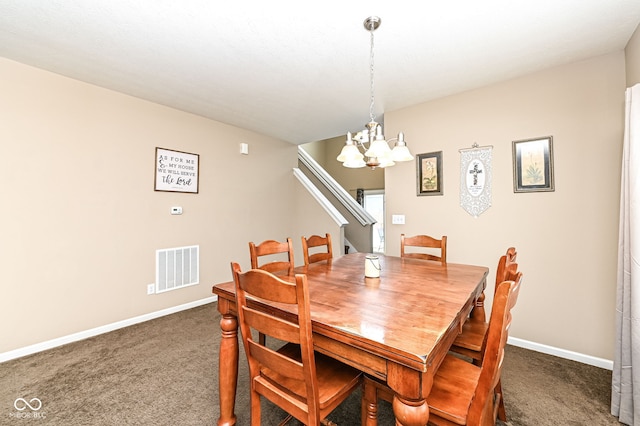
(177, 268)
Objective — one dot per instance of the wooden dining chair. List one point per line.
(309, 245)
(424, 241)
(471, 339)
(474, 330)
(305, 384)
(270, 249)
(463, 393)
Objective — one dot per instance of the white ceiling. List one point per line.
(299, 71)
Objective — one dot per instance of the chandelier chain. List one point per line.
(372, 116)
(370, 143)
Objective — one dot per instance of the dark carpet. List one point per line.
(164, 372)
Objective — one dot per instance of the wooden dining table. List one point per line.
(397, 327)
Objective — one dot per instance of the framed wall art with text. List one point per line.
(176, 171)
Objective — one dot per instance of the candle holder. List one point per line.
(372, 266)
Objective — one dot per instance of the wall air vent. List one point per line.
(177, 268)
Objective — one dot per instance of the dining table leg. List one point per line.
(478, 312)
(406, 412)
(227, 364)
(411, 388)
(410, 412)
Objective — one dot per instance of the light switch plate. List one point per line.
(397, 219)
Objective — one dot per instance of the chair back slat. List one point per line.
(315, 242)
(424, 242)
(273, 360)
(507, 267)
(272, 249)
(275, 327)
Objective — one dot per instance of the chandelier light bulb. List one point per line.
(386, 162)
(378, 148)
(400, 151)
(354, 163)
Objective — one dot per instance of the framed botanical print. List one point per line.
(429, 173)
(533, 165)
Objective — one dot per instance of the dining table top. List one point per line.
(402, 316)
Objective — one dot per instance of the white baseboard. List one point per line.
(49, 344)
(38, 347)
(562, 353)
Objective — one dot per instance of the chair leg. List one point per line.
(502, 414)
(286, 420)
(255, 408)
(262, 339)
(369, 411)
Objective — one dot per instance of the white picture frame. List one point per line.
(176, 171)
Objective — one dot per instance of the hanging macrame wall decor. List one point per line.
(475, 179)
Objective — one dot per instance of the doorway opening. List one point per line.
(374, 205)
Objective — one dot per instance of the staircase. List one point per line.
(337, 202)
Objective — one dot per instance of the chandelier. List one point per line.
(369, 146)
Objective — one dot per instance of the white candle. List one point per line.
(372, 266)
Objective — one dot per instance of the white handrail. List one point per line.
(319, 196)
(336, 189)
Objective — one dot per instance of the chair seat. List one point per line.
(453, 388)
(332, 387)
(472, 335)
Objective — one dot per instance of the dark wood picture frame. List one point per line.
(533, 165)
(429, 174)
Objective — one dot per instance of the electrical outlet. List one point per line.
(151, 288)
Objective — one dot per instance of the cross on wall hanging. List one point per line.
(475, 179)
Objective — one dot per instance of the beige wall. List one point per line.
(81, 221)
(318, 151)
(632, 56)
(567, 239)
